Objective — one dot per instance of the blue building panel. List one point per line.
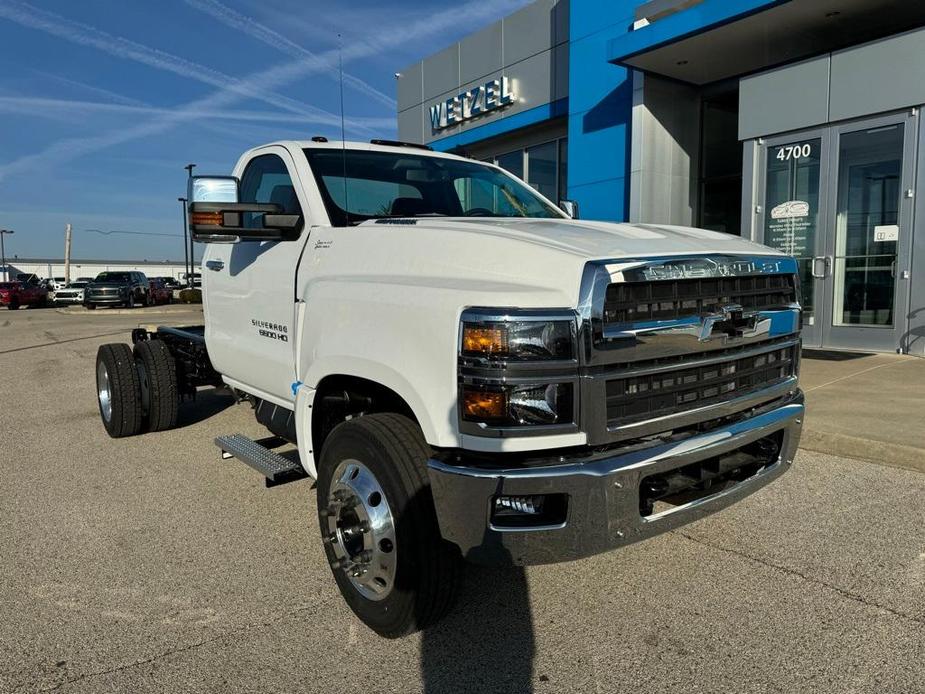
(600, 110)
(706, 15)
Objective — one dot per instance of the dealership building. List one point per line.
(794, 123)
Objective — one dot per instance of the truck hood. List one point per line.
(595, 240)
(500, 262)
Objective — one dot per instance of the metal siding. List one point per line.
(480, 53)
(789, 98)
(410, 88)
(880, 76)
(529, 31)
(441, 72)
(410, 127)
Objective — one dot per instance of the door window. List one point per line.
(792, 208)
(867, 226)
(266, 180)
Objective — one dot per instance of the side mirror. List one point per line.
(570, 207)
(216, 216)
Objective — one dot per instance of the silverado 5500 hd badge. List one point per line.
(274, 331)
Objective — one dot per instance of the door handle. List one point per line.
(820, 267)
(215, 265)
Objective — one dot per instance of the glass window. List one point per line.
(266, 180)
(867, 226)
(387, 184)
(542, 167)
(513, 162)
(791, 215)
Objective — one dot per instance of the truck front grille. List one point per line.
(658, 391)
(630, 302)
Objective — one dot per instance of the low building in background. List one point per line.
(54, 267)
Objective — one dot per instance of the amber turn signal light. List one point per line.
(212, 219)
(484, 340)
(483, 404)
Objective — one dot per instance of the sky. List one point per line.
(103, 102)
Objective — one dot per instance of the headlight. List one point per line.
(503, 406)
(517, 369)
(523, 340)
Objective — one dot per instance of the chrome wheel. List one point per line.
(361, 530)
(103, 391)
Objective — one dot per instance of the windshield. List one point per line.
(400, 184)
(112, 277)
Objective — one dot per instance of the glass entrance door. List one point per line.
(871, 195)
(839, 199)
(793, 215)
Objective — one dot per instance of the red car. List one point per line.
(159, 292)
(16, 294)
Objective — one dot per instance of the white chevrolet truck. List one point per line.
(466, 370)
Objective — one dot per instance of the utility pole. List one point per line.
(67, 254)
(186, 265)
(6, 271)
(192, 256)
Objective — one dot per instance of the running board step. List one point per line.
(275, 467)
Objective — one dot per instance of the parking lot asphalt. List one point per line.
(150, 565)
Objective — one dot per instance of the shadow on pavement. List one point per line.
(208, 403)
(486, 644)
(833, 355)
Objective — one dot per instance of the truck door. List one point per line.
(249, 288)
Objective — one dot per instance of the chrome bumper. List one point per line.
(603, 493)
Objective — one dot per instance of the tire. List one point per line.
(130, 302)
(120, 406)
(13, 305)
(425, 570)
(90, 307)
(157, 373)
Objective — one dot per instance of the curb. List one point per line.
(879, 452)
(141, 311)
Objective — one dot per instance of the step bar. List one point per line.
(277, 468)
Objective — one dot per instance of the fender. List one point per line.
(437, 434)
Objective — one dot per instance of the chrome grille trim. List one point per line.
(711, 334)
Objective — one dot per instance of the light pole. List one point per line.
(192, 256)
(186, 249)
(6, 272)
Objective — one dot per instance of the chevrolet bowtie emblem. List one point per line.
(729, 320)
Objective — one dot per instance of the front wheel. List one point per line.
(131, 300)
(13, 305)
(379, 525)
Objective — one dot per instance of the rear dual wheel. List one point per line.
(136, 389)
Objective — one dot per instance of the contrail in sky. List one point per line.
(263, 33)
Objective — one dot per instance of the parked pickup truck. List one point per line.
(468, 372)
